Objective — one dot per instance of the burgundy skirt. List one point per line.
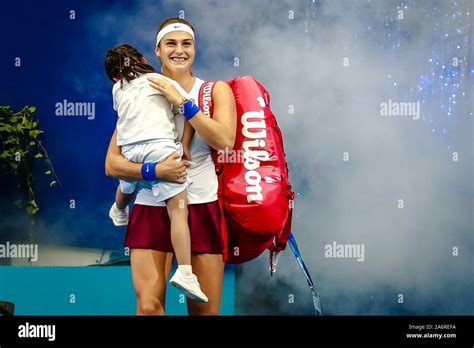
(149, 228)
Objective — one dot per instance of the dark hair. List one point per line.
(173, 20)
(125, 62)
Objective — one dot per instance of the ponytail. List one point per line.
(125, 62)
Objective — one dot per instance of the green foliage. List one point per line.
(20, 147)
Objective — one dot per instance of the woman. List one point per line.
(148, 228)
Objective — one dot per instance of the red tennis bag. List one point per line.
(254, 193)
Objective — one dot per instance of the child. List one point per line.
(146, 132)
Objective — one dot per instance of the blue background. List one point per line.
(62, 59)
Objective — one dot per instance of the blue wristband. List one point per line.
(189, 109)
(148, 171)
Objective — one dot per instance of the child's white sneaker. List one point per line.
(189, 285)
(119, 216)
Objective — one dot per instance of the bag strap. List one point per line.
(224, 234)
(206, 90)
(207, 107)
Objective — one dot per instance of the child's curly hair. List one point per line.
(125, 62)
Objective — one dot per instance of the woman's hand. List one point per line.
(172, 169)
(117, 166)
(186, 153)
(169, 91)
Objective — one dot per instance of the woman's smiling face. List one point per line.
(176, 51)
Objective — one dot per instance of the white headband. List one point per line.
(173, 27)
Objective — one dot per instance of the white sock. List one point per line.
(186, 270)
(118, 207)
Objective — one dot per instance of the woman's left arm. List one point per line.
(219, 131)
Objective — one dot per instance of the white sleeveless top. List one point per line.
(203, 174)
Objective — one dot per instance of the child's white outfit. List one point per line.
(146, 130)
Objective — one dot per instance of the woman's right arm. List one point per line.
(119, 167)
